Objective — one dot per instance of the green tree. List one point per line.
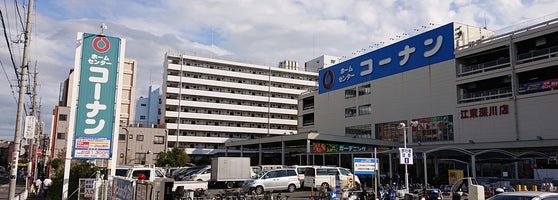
(55, 163)
(79, 169)
(177, 157)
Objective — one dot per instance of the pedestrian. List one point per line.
(38, 185)
(46, 184)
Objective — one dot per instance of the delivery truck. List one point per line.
(230, 172)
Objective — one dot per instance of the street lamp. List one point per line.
(126, 149)
(459, 161)
(404, 127)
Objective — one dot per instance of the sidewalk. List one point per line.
(5, 188)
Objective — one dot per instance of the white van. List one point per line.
(273, 180)
(133, 172)
(324, 177)
(301, 170)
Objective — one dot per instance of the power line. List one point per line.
(9, 82)
(19, 15)
(9, 46)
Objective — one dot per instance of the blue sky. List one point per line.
(262, 32)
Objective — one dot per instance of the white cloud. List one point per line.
(263, 32)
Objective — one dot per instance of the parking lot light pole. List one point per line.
(404, 127)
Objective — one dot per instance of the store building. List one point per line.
(482, 101)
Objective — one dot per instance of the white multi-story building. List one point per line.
(207, 102)
(148, 109)
(321, 62)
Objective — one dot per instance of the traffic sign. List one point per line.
(406, 156)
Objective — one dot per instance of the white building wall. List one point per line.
(224, 101)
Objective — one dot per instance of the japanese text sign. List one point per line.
(421, 50)
(96, 96)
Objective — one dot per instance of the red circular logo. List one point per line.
(101, 44)
(327, 79)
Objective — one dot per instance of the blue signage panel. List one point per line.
(422, 50)
(365, 165)
(97, 91)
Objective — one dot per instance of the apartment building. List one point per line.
(207, 102)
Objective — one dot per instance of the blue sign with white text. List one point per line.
(422, 50)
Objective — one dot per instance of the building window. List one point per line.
(155, 157)
(360, 131)
(121, 137)
(159, 140)
(350, 93)
(142, 117)
(350, 112)
(131, 136)
(61, 136)
(62, 117)
(389, 131)
(364, 90)
(433, 129)
(143, 105)
(365, 109)
(139, 138)
(140, 158)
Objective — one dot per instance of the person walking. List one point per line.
(38, 185)
(46, 184)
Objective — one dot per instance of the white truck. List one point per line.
(230, 171)
(467, 188)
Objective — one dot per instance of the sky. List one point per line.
(261, 32)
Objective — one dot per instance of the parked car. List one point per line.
(273, 180)
(133, 172)
(525, 195)
(183, 174)
(170, 171)
(203, 174)
(301, 170)
(324, 177)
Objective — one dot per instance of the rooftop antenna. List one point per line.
(103, 28)
(484, 19)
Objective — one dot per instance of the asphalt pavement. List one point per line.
(5, 187)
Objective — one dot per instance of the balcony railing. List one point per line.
(537, 55)
(484, 67)
(486, 95)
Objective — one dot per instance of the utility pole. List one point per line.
(21, 100)
(34, 142)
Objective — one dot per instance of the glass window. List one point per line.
(140, 159)
(350, 93)
(142, 117)
(360, 131)
(432, 129)
(121, 137)
(365, 109)
(62, 117)
(389, 131)
(60, 135)
(364, 90)
(350, 112)
(159, 140)
(139, 138)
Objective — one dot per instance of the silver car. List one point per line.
(273, 180)
(525, 195)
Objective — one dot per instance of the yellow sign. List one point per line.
(454, 175)
(22, 164)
